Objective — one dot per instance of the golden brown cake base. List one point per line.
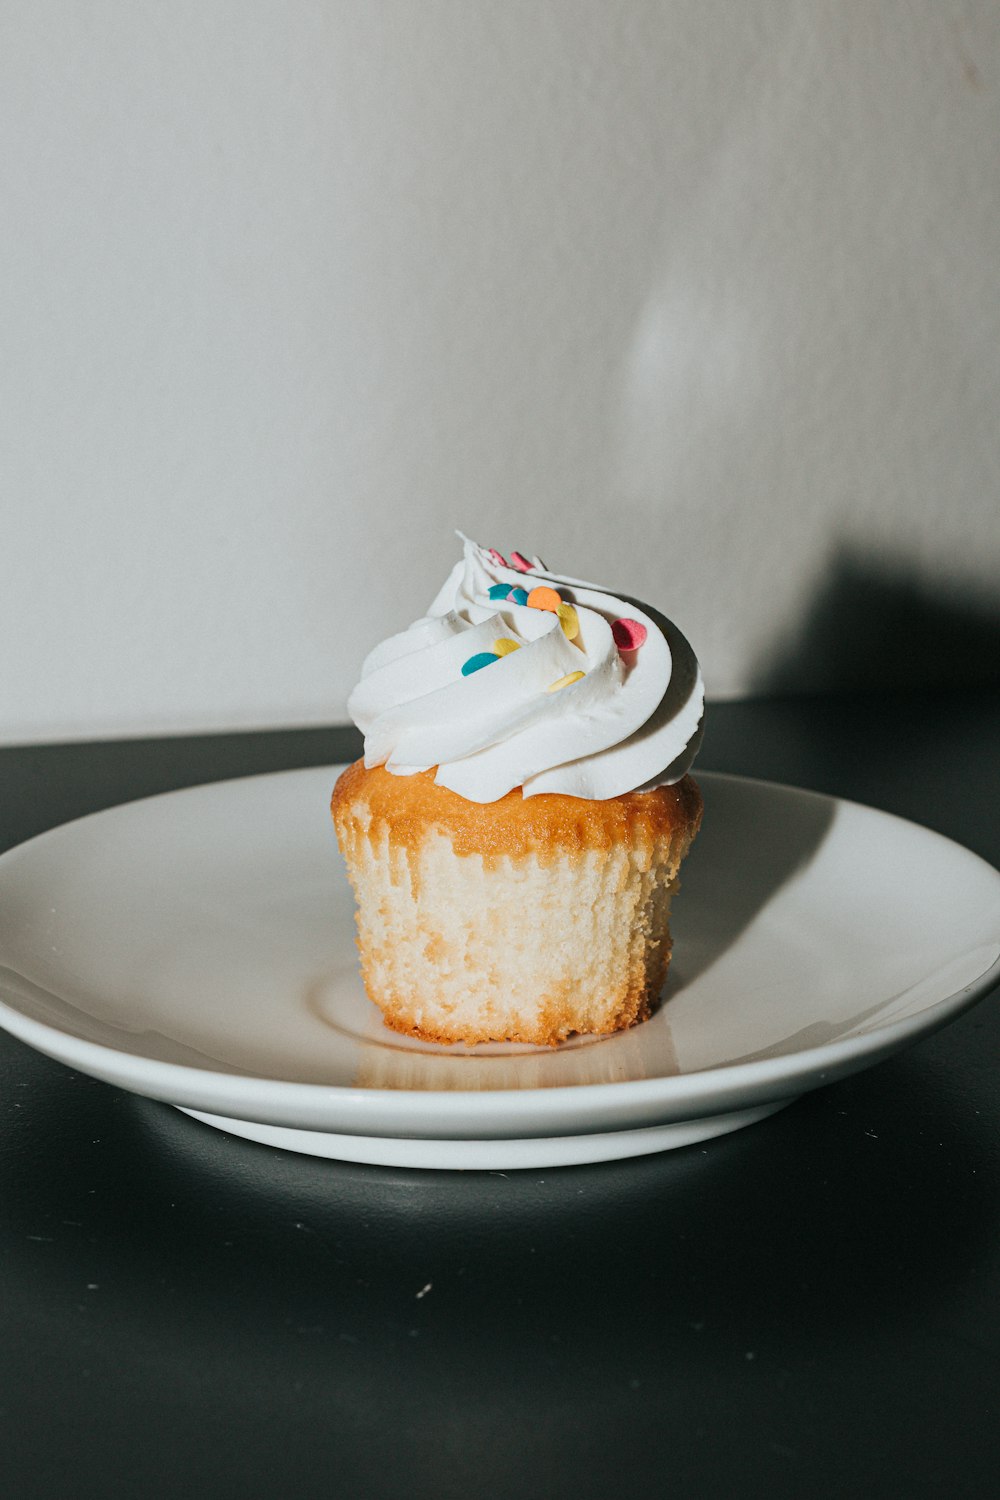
(523, 920)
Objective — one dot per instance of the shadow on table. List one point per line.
(313, 1298)
(886, 1223)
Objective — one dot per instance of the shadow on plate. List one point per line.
(753, 840)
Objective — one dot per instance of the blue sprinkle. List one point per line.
(519, 596)
(481, 659)
(501, 591)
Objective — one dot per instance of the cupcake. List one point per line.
(514, 832)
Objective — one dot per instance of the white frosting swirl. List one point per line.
(632, 721)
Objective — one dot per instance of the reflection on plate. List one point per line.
(198, 948)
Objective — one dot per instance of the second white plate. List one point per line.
(198, 948)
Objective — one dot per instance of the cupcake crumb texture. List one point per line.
(552, 920)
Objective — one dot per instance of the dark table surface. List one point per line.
(809, 1307)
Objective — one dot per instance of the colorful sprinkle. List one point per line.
(520, 563)
(569, 621)
(544, 598)
(475, 663)
(564, 681)
(518, 596)
(629, 634)
(497, 557)
(504, 646)
(500, 591)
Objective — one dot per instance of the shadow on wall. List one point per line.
(873, 625)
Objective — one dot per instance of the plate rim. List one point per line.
(385, 1112)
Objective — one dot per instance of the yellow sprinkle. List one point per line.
(504, 646)
(569, 621)
(564, 682)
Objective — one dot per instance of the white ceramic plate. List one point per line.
(198, 948)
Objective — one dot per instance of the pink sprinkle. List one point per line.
(629, 634)
(497, 557)
(520, 563)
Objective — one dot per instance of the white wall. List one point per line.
(695, 298)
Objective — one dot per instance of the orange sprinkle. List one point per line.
(544, 598)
